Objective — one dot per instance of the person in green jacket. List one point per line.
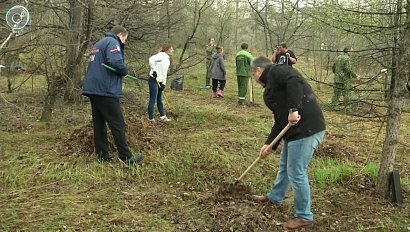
(243, 71)
(342, 68)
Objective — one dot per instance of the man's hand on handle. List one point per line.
(265, 151)
(293, 117)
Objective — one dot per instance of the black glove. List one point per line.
(161, 86)
(154, 74)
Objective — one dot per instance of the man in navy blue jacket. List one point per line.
(291, 100)
(104, 89)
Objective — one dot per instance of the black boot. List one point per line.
(104, 157)
(135, 159)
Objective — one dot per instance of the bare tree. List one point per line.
(387, 43)
(78, 36)
(200, 7)
(263, 22)
(283, 25)
(395, 106)
(63, 73)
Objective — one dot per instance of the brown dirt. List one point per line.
(230, 209)
(231, 190)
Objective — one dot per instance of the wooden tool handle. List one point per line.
(279, 136)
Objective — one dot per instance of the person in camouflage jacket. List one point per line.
(210, 50)
(342, 68)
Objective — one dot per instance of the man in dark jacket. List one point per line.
(291, 99)
(104, 89)
(282, 55)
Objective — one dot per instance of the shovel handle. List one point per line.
(113, 69)
(279, 136)
(163, 94)
(248, 169)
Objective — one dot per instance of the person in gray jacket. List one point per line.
(217, 72)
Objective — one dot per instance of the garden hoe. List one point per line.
(128, 76)
(269, 147)
(251, 95)
(241, 189)
(163, 94)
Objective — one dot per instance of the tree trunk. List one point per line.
(48, 107)
(395, 109)
(55, 86)
(72, 66)
(236, 23)
(12, 61)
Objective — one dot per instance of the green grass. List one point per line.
(371, 170)
(395, 222)
(332, 175)
(331, 172)
(211, 142)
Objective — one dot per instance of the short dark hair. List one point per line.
(261, 61)
(244, 46)
(346, 49)
(283, 45)
(218, 48)
(119, 29)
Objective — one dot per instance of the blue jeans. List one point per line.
(294, 162)
(155, 95)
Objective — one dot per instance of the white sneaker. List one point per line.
(151, 120)
(164, 119)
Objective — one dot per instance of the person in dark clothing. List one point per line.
(104, 89)
(291, 100)
(282, 55)
(217, 72)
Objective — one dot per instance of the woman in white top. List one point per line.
(157, 80)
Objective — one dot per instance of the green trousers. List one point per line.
(242, 87)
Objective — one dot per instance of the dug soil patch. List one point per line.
(139, 133)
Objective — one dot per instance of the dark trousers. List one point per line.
(215, 84)
(107, 109)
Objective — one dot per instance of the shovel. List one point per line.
(128, 76)
(278, 137)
